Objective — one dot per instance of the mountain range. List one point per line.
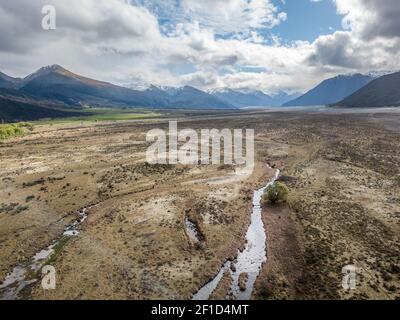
(251, 98)
(332, 90)
(58, 84)
(53, 91)
(187, 97)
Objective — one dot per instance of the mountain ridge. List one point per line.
(56, 82)
(6, 81)
(252, 98)
(331, 90)
(54, 87)
(381, 92)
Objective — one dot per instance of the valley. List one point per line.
(136, 243)
(53, 92)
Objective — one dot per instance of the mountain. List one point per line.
(189, 97)
(170, 90)
(7, 81)
(332, 90)
(377, 74)
(57, 83)
(253, 98)
(17, 106)
(186, 97)
(382, 92)
(243, 99)
(159, 94)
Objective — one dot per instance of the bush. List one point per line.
(276, 193)
(14, 130)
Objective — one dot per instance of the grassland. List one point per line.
(105, 114)
(343, 208)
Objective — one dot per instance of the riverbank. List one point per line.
(283, 271)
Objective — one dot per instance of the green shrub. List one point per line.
(277, 192)
(14, 130)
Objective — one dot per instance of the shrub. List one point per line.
(276, 192)
(8, 131)
(14, 130)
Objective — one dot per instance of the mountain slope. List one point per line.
(57, 83)
(332, 90)
(382, 92)
(16, 106)
(7, 81)
(158, 93)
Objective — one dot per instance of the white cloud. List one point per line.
(222, 16)
(116, 41)
(234, 15)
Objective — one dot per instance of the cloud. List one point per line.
(92, 22)
(234, 15)
(370, 42)
(207, 43)
(370, 18)
(222, 16)
(89, 33)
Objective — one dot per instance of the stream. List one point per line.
(192, 231)
(250, 260)
(24, 274)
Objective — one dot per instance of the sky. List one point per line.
(268, 45)
(307, 20)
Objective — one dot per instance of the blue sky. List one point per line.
(307, 20)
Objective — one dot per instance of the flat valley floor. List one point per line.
(343, 208)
